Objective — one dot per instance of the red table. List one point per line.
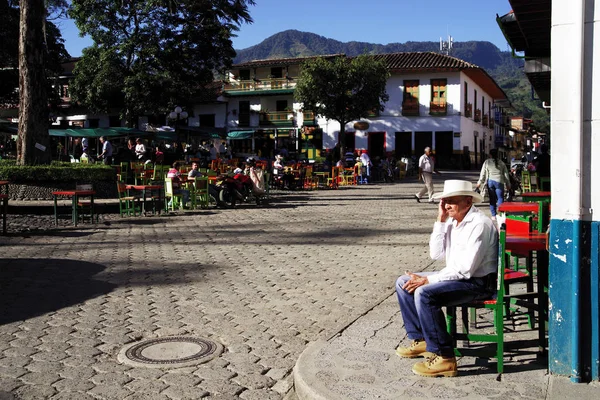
(538, 242)
(518, 207)
(4, 198)
(536, 196)
(145, 189)
(74, 195)
(524, 208)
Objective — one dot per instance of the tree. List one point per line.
(31, 48)
(33, 96)
(151, 55)
(343, 89)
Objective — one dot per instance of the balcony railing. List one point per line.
(477, 116)
(308, 118)
(438, 108)
(276, 118)
(469, 110)
(410, 107)
(260, 84)
(484, 120)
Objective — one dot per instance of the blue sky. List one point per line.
(375, 21)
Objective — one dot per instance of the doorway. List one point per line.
(403, 144)
(376, 145)
(422, 140)
(444, 149)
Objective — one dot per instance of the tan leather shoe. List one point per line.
(436, 366)
(418, 348)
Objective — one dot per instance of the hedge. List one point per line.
(55, 172)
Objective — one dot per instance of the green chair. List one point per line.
(175, 199)
(124, 171)
(544, 184)
(526, 181)
(127, 204)
(495, 334)
(199, 194)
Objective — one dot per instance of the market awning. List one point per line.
(203, 132)
(97, 132)
(239, 135)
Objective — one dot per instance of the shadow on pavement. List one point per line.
(33, 286)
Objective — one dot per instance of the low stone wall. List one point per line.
(43, 190)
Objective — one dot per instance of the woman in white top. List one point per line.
(495, 173)
(140, 149)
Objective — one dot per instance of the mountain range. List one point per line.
(501, 65)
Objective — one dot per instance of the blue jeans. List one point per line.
(422, 309)
(496, 193)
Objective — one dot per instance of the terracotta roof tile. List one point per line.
(280, 62)
(423, 61)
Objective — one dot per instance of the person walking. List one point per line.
(367, 164)
(107, 151)
(494, 174)
(426, 169)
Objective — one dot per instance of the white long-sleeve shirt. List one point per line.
(470, 248)
(426, 164)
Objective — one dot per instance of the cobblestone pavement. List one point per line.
(263, 281)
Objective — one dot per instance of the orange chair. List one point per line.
(334, 181)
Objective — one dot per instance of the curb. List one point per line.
(303, 385)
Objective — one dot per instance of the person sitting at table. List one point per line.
(175, 176)
(194, 171)
(278, 165)
(468, 240)
(140, 149)
(159, 156)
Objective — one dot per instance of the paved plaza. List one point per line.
(265, 282)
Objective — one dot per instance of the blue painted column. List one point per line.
(573, 317)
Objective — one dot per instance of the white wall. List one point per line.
(391, 119)
(571, 99)
(217, 109)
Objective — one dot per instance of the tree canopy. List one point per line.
(151, 55)
(9, 48)
(343, 89)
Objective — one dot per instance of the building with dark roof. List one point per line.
(435, 100)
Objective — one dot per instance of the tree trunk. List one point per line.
(33, 98)
(342, 140)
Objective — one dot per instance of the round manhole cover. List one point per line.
(169, 352)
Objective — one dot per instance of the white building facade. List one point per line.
(434, 100)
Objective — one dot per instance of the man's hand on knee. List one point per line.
(414, 282)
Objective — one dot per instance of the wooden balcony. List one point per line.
(438, 108)
(469, 110)
(410, 108)
(485, 120)
(259, 85)
(279, 118)
(477, 117)
(309, 118)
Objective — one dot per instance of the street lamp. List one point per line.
(178, 115)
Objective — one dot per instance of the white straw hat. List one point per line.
(458, 188)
